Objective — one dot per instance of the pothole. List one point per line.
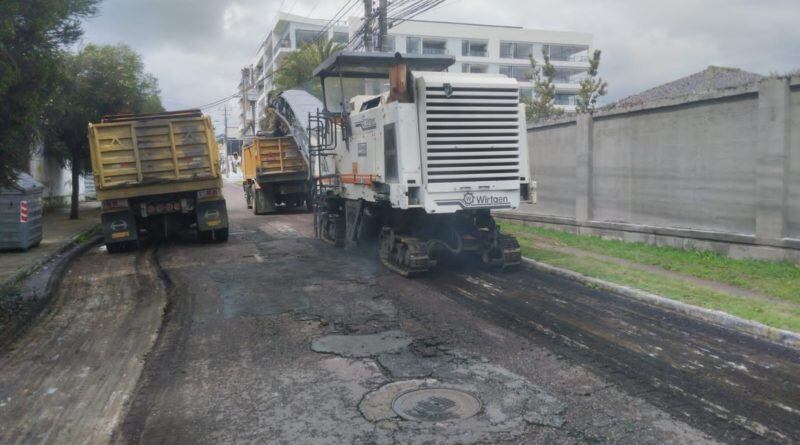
(435, 405)
(362, 345)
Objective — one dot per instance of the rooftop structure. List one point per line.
(711, 79)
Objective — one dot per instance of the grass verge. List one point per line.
(778, 280)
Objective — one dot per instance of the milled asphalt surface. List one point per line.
(255, 349)
(276, 337)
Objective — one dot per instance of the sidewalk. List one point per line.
(57, 232)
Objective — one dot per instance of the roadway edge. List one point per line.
(38, 287)
(783, 337)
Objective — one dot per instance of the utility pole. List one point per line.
(383, 26)
(368, 25)
(227, 148)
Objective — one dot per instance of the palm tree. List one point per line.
(296, 70)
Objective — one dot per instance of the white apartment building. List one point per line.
(499, 50)
(288, 33)
(477, 49)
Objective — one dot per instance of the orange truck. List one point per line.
(275, 173)
(157, 172)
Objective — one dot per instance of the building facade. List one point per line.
(477, 49)
(288, 33)
(498, 50)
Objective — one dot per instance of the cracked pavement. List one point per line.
(284, 339)
(276, 337)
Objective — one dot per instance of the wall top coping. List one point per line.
(751, 88)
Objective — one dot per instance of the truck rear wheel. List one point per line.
(122, 246)
(220, 235)
(213, 236)
(264, 201)
(248, 194)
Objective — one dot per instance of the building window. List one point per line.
(569, 53)
(341, 37)
(283, 42)
(388, 44)
(515, 50)
(520, 50)
(413, 45)
(564, 99)
(569, 75)
(519, 72)
(526, 93)
(474, 48)
(434, 46)
(474, 68)
(305, 37)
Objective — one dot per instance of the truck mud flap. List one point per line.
(119, 227)
(211, 215)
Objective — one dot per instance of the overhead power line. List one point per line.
(217, 102)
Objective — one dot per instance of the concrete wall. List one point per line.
(553, 166)
(686, 166)
(793, 213)
(722, 168)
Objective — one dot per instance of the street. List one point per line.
(276, 337)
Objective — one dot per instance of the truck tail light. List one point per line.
(114, 204)
(209, 194)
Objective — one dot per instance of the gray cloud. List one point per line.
(197, 47)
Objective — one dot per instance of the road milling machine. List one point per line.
(414, 158)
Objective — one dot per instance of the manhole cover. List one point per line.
(435, 405)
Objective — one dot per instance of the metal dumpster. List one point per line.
(21, 214)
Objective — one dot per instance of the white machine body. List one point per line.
(460, 145)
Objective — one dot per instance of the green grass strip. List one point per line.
(779, 279)
(783, 313)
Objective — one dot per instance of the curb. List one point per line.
(39, 288)
(780, 336)
(33, 268)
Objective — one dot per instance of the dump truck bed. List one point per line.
(271, 159)
(151, 154)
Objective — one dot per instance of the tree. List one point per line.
(592, 87)
(542, 106)
(32, 33)
(96, 81)
(298, 66)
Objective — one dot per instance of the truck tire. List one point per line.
(213, 236)
(248, 194)
(264, 201)
(122, 246)
(221, 235)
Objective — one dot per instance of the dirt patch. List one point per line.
(69, 376)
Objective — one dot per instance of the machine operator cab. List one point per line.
(402, 130)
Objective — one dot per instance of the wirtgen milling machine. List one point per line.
(420, 165)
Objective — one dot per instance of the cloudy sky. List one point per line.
(197, 47)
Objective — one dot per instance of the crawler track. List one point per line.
(733, 386)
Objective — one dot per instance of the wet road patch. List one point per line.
(240, 298)
(362, 345)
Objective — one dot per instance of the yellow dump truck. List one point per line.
(157, 172)
(275, 173)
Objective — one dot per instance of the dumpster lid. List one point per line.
(24, 183)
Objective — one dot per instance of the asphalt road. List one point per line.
(275, 337)
(732, 385)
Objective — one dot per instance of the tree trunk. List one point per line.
(76, 174)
